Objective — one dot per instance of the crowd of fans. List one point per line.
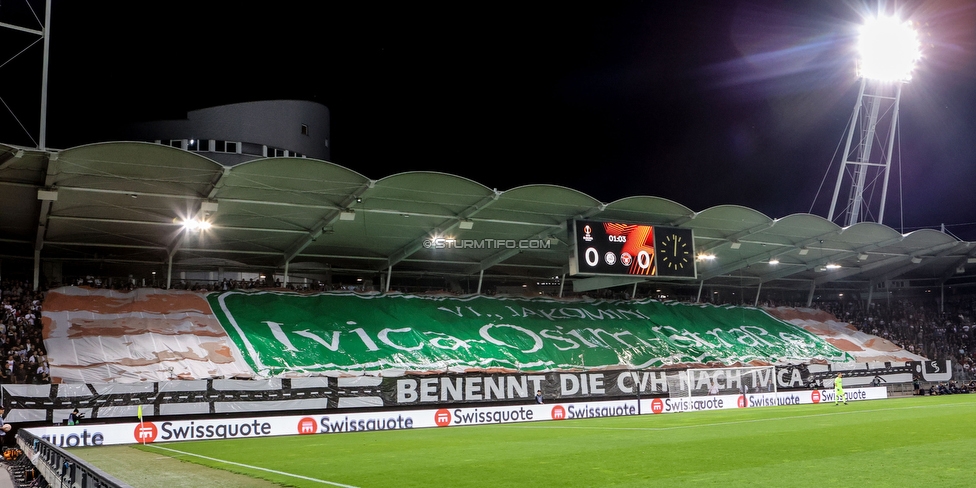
(918, 326)
(21, 338)
(221, 285)
(951, 388)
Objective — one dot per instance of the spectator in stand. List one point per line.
(43, 374)
(4, 428)
(21, 340)
(20, 374)
(925, 327)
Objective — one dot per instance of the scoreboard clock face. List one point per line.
(675, 252)
(614, 248)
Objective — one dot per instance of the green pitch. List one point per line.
(906, 442)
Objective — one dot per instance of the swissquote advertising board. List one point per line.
(157, 431)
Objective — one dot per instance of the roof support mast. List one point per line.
(45, 34)
(858, 208)
(889, 50)
(42, 137)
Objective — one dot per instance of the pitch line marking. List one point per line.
(282, 473)
(526, 426)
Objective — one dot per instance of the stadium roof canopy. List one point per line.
(121, 203)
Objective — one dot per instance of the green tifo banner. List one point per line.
(291, 333)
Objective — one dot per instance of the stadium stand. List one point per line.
(78, 206)
(916, 325)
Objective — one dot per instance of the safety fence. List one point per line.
(61, 468)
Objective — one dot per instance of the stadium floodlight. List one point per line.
(888, 49)
(194, 225)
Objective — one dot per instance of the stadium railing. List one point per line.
(60, 468)
(896, 390)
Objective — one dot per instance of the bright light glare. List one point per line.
(889, 49)
(194, 225)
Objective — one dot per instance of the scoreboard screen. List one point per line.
(615, 248)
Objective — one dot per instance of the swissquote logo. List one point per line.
(442, 417)
(145, 432)
(742, 402)
(558, 412)
(815, 396)
(307, 426)
(657, 405)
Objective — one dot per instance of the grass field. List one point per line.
(919, 441)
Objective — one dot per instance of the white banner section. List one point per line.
(206, 429)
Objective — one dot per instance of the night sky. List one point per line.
(704, 102)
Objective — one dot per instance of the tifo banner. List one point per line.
(100, 335)
(280, 333)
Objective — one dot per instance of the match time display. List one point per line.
(615, 248)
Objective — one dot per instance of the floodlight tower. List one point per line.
(888, 50)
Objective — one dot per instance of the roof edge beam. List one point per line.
(740, 235)
(8, 158)
(445, 227)
(327, 219)
(501, 256)
(959, 262)
(217, 182)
